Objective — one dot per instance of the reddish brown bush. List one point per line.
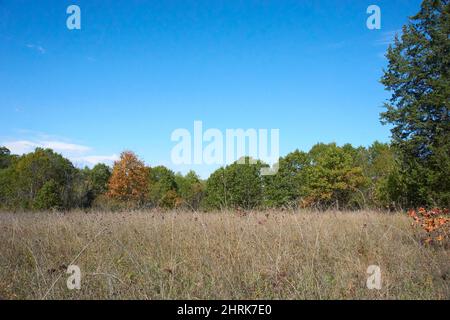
(435, 222)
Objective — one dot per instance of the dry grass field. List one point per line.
(182, 255)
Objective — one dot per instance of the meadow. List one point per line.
(221, 255)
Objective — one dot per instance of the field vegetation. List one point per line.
(221, 255)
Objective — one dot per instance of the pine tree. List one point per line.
(418, 77)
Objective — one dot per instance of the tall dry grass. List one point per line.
(270, 255)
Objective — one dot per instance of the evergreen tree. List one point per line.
(418, 77)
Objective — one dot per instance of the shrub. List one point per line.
(435, 223)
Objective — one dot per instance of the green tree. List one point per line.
(6, 180)
(162, 187)
(418, 110)
(48, 197)
(8, 198)
(382, 170)
(98, 178)
(283, 188)
(238, 185)
(332, 179)
(190, 189)
(5, 158)
(89, 184)
(82, 194)
(32, 171)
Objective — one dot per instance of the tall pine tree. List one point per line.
(418, 77)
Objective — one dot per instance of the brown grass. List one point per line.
(269, 255)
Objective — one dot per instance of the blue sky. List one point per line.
(138, 70)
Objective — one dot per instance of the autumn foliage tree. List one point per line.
(129, 179)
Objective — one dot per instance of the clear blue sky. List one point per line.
(137, 70)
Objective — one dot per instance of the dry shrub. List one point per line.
(435, 223)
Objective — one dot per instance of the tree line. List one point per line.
(328, 176)
(413, 170)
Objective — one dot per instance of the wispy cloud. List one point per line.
(77, 153)
(64, 146)
(93, 160)
(20, 147)
(38, 48)
(25, 146)
(388, 37)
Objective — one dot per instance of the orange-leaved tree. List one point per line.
(129, 179)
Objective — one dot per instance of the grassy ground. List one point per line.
(270, 255)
